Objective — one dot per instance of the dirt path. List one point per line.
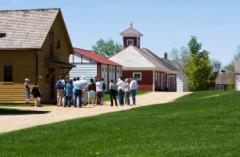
(56, 114)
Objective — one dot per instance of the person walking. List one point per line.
(92, 92)
(36, 95)
(60, 91)
(27, 91)
(99, 91)
(68, 93)
(113, 92)
(121, 85)
(133, 89)
(127, 91)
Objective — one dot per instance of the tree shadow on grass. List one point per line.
(7, 111)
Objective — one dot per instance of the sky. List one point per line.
(165, 24)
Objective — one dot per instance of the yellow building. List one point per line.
(34, 44)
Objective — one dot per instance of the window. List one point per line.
(130, 42)
(137, 76)
(51, 43)
(58, 41)
(51, 39)
(2, 35)
(8, 76)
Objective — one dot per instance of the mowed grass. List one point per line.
(203, 124)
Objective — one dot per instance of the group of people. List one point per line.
(123, 90)
(79, 92)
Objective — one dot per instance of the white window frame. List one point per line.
(137, 73)
(130, 42)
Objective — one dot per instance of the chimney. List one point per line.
(165, 55)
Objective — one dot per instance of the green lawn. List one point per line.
(203, 124)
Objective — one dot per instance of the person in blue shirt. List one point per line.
(60, 91)
(68, 93)
(78, 87)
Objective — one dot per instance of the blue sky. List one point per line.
(165, 24)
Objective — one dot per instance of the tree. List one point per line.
(106, 48)
(230, 67)
(180, 57)
(199, 68)
(237, 55)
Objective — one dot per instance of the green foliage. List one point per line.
(194, 46)
(180, 57)
(195, 63)
(203, 124)
(199, 68)
(230, 67)
(106, 48)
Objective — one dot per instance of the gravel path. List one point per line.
(56, 114)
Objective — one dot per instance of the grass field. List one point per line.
(203, 124)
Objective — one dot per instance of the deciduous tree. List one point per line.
(106, 48)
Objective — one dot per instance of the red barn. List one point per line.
(151, 72)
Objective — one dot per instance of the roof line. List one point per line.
(37, 9)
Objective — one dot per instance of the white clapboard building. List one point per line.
(90, 65)
(237, 75)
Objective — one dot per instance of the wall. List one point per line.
(59, 54)
(23, 63)
(23, 66)
(182, 84)
(237, 82)
(147, 78)
(84, 67)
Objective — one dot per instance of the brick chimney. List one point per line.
(165, 55)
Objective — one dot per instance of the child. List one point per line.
(27, 91)
(36, 94)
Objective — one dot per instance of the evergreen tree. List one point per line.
(199, 68)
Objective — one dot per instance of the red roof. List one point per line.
(95, 57)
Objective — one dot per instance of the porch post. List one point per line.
(153, 87)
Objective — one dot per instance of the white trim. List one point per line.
(130, 42)
(153, 88)
(138, 68)
(138, 73)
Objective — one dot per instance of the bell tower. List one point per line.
(131, 37)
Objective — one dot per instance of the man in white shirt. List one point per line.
(121, 85)
(99, 90)
(84, 91)
(133, 88)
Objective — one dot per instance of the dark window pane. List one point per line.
(8, 73)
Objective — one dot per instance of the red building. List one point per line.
(151, 72)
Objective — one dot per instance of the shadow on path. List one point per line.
(7, 111)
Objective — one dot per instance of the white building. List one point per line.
(90, 65)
